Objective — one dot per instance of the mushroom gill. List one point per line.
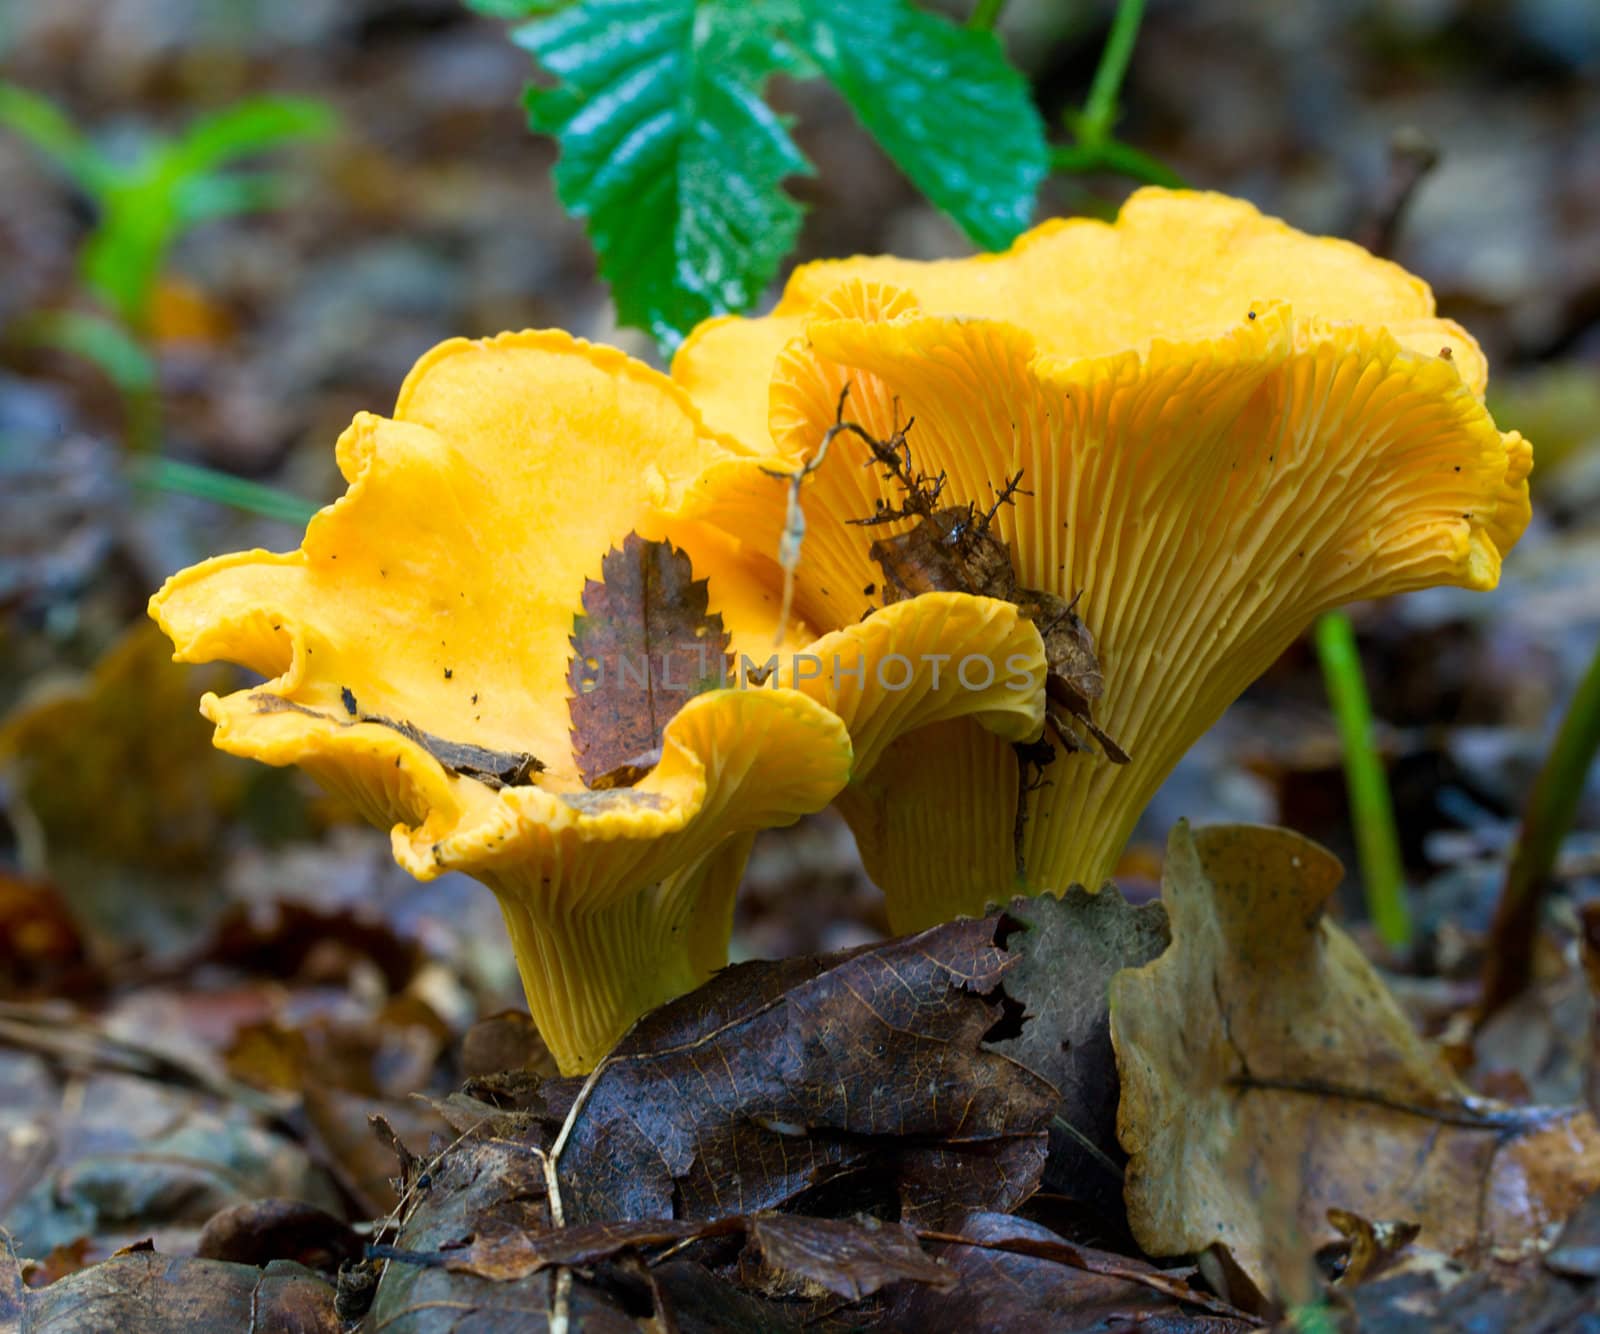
(1222, 428)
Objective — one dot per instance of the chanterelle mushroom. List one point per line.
(1212, 428)
(419, 645)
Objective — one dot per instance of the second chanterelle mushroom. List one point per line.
(1188, 434)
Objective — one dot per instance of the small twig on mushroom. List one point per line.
(894, 457)
(794, 522)
(1007, 495)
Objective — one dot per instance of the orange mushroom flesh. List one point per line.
(1214, 428)
(418, 650)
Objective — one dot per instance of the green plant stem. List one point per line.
(985, 14)
(1371, 810)
(252, 497)
(1100, 110)
(1552, 806)
(1094, 148)
(1113, 155)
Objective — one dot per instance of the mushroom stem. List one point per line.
(947, 852)
(589, 974)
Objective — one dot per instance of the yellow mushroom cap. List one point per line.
(433, 603)
(1227, 427)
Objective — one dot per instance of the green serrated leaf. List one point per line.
(944, 103)
(514, 9)
(668, 152)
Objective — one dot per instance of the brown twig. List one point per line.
(1412, 155)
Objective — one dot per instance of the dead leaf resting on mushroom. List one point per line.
(953, 549)
(644, 644)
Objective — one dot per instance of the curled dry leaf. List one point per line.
(954, 549)
(1426, 1291)
(258, 1232)
(1014, 1275)
(1269, 1076)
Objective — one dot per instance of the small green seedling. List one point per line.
(144, 203)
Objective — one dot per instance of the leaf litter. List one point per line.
(1066, 1111)
(918, 1134)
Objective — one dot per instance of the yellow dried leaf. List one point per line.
(1268, 1076)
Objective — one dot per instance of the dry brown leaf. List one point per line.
(1269, 1076)
(644, 644)
(144, 1290)
(775, 1079)
(1014, 1275)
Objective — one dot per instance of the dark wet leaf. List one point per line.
(702, 1303)
(515, 1255)
(850, 1259)
(644, 644)
(775, 1080)
(1067, 950)
(1024, 1278)
(831, 1085)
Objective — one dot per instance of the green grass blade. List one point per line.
(251, 497)
(47, 128)
(1371, 809)
(1552, 807)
